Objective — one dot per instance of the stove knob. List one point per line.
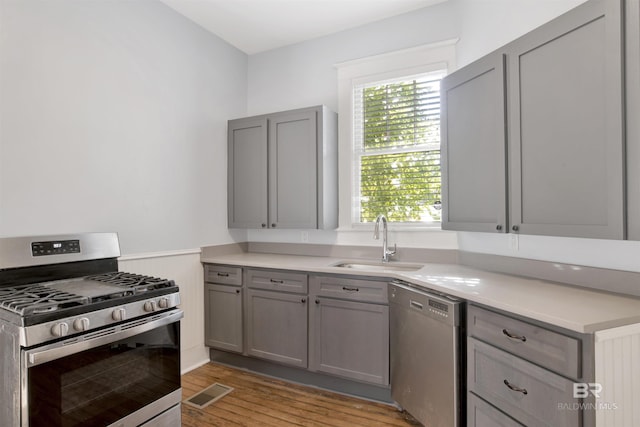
(150, 306)
(60, 329)
(81, 324)
(119, 314)
(163, 302)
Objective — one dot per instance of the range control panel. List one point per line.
(57, 247)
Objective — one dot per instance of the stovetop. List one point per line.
(40, 302)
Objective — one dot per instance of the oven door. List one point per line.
(122, 375)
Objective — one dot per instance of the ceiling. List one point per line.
(255, 26)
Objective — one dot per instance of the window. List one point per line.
(396, 142)
(385, 147)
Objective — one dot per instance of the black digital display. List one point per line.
(55, 247)
(438, 305)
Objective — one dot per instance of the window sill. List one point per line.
(393, 227)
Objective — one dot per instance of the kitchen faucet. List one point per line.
(386, 253)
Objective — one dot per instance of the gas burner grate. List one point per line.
(35, 299)
(137, 282)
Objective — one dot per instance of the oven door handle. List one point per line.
(40, 355)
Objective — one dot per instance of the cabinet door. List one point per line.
(474, 181)
(277, 327)
(223, 317)
(247, 174)
(566, 142)
(293, 201)
(632, 14)
(350, 339)
(481, 414)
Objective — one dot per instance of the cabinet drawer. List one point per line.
(277, 281)
(528, 393)
(555, 351)
(222, 274)
(349, 289)
(481, 414)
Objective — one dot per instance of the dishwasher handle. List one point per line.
(416, 305)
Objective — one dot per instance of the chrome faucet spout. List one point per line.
(386, 253)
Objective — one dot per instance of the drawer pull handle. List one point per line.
(223, 274)
(276, 281)
(513, 336)
(348, 289)
(515, 388)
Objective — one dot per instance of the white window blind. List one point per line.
(397, 149)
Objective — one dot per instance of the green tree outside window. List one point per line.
(399, 154)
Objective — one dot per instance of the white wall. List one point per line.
(485, 25)
(113, 118)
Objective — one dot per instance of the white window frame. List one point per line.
(408, 62)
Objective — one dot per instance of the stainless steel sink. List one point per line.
(378, 265)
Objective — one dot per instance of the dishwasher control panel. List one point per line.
(436, 306)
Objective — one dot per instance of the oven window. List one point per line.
(102, 385)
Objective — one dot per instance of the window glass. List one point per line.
(397, 149)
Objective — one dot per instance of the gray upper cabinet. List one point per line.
(564, 147)
(632, 75)
(247, 173)
(473, 147)
(283, 170)
(565, 125)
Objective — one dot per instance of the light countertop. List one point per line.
(574, 308)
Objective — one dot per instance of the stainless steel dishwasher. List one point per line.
(426, 369)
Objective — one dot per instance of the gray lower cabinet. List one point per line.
(277, 316)
(481, 414)
(473, 148)
(223, 317)
(349, 328)
(223, 308)
(564, 126)
(520, 372)
(632, 77)
(282, 170)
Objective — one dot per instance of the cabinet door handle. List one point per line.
(303, 300)
(515, 228)
(276, 281)
(237, 291)
(273, 225)
(264, 225)
(514, 336)
(350, 289)
(499, 227)
(515, 388)
(317, 301)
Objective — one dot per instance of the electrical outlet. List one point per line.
(304, 236)
(514, 242)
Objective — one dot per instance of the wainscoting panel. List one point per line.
(617, 352)
(185, 269)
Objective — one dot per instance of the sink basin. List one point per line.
(378, 265)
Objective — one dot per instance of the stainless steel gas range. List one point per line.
(83, 344)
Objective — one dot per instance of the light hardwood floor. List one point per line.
(262, 401)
